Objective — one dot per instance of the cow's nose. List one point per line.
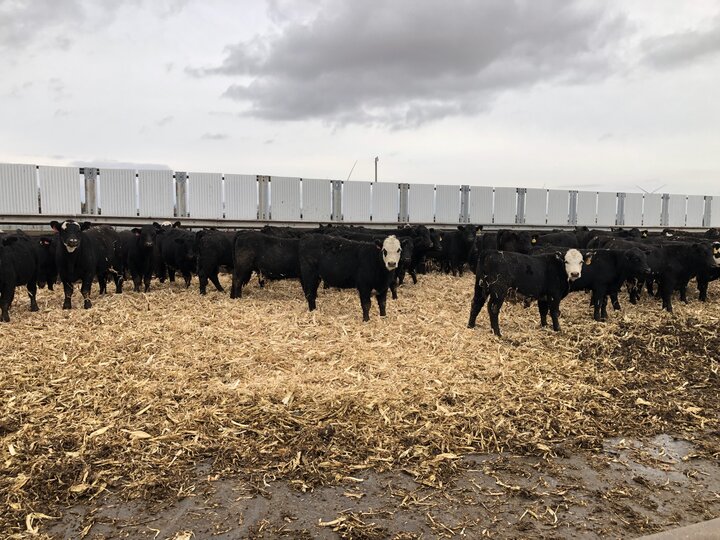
(574, 274)
(148, 244)
(72, 242)
(391, 265)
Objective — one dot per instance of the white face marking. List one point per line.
(64, 225)
(573, 264)
(70, 249)
(716, 253)
(166, 224)
(391, 252)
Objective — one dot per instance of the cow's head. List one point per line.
(636, 261)
(146, 235)
(185, 245)
(407, 245)
(391, 251)
(573, 261)
(716, 253)
(70, 233)
(468, 233)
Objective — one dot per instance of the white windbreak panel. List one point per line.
(18, 190)
(633, 210)
(385, 202)
(421, 203)
(505, 206)
(205, 195)
(60, 190)
(558, 207)
(586, 207)
(714, 212)
(316, 199)
(241, 196)
(284, 198)
(652, 209)
(116, 192)
(535, 206)
(677, 205)
(606, 209)
(695, 210)
(447, 204)
(480, 205)
(156, 191)
(356, 201)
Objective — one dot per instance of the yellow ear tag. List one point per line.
(533, 241)
(588, 261)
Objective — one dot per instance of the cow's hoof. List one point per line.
(87, 304)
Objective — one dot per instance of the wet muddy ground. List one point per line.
(629, 489)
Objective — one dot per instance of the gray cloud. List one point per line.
(674, 50)
(59, 113)
(408, 62)
(214, 136)
(164, 121)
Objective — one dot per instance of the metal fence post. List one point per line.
(263, 198)
(90, 206)
(520, 214)
(181, 209)
(464, 204)
(707, 216)
(572, 218)
(665, 211)
(404, 214)
(620, 217)
(336, 200)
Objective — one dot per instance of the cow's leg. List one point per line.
(477, 304)
(381, 298)
(68, 290)
(216, 281)
(683, 293)
(702, 285)
(598, 299)
(614, 299)
(494, 306)
(413, 275)
(102, 283)
(310, 284)
(119, 280)
(203, 280)
(6, 299)
(171, 274)
(665, 290)
(603, 308)
(85, 291)
(543, 308)
(393, 288)
(137, 281)
(365, 303)
(555, 313)
(32, 293)
(649, 284)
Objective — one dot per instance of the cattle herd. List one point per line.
(541, 266)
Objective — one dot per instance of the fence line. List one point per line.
(29, 190)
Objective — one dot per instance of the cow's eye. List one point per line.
(398, 250)
(384, 251)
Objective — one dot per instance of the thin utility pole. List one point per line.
(376, 161)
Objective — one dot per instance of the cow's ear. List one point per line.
(589, 257)
(480, 227)
(44, 241)
(55, 225)
(559, 255)
(85, 225)
(378, 243)
(461, 227)
(176, 225)
(644, 233)
(9, 240)
(157, 225)
(135, 231)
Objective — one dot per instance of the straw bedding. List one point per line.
(130, 396)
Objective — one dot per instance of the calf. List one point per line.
(604, 273)
(456, 246)
(139, 248)
(214, 249)
(18, 266)
(348, 264)
(543, 277)
(47, 273)
(404, 265)
(83, 253)
(556, 239)
(680, 263)
(177, 252)
(271, 257)
(706, 275)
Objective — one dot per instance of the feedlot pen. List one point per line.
(170, 415)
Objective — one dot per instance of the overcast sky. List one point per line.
(606, 95)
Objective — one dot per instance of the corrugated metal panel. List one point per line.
(535, 206)
(316, 199)
(677, 205)
(385, 202)
(586, 207)
(205, 195)
(356, 201)
(241, 196)
(421, 203)
(695, 210)
(447, 204)
(606, 209)
(156, 190)
(505, 206)
(633, 209)
(714, 212)
(117, 192)
(652, 208)
(18, 190)
(558, 207)
(284, 198)
(480, 202)
(60, 190)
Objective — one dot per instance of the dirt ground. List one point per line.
(170, 416)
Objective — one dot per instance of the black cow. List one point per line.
(272, 257)
(159, 267)
(604, 273)
(214, 249)
(680, 263)
(543, 277)
(18, 266)
(456, 246)
(706, 275)
(348, 264)
(404, 266)
(45, 248)
(139, 248)
(177, 251)
(84, 253)
(556, 239)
